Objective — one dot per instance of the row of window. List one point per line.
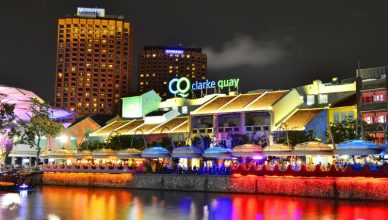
(374, 118)
(322, 99)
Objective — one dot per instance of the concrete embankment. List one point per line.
(359, 188)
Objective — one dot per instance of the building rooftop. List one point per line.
(170, 125)
(300, 118)
(239, 102)
(106, 130)
(266, 100)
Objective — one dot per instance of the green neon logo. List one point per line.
(182, 86)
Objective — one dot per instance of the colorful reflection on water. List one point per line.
(53, 202)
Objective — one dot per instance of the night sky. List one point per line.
(268, 44)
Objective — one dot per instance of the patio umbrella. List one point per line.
(312, 148)
(187, 152)
(278, 150)
(248, 150)
(357, 147)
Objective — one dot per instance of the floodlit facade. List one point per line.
(94, 62)
(159, 64)
(372, 99)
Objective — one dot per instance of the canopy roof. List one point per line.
(85, 154)
(129, 153)
(23, 150)
(129, 127)
(357, 147)
(21, 98)
(242, 102)
(277, 150)
(104, 153)
(247, 150)
(187, 152)
(58, 154)
(300, 118)
(312, 148)
(217, 153)
(155, 152)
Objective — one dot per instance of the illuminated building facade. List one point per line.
(94, 62)
(158, 65)
(372, 99)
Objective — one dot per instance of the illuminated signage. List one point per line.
(90, 12)
(182, 85)
(181, 88)
(174, 51)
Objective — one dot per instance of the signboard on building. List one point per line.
(90, 12)
(174, 51)
(182, 86)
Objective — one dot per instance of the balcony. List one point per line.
(370, 106)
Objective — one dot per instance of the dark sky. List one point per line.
(268, 44)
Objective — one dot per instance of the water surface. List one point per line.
(55, 202)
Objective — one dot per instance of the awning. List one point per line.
(155, 152)
(23, 150)
(278, 150)
(187, 152)
(85, 154)
(248, 150)
(129, 153)
(217, 153)
(104, 154)
(315, 148)
(58, 154)
(357, 147)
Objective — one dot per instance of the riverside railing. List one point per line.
(241, 169)
(317, 170)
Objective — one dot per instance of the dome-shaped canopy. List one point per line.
(277, 150)
(129, 153)
(60, 154)
(155, 152)
(85, 154)
(357, 147)
(104, 153)
(217, 153)
(247, 150)
(312, 148)
(187, 152)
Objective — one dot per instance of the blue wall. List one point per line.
(318, 125)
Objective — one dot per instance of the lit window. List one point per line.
(378, 98)
(322, 98)
(381, 119)
(336, 117)
(368, 120)
(310, 100)
(185, 109)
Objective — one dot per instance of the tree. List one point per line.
(40, 125)
(296, 137)
(7, 128)
(92, 145)
(345, 130)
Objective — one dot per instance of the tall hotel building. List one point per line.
(94, 62)
(158, 64)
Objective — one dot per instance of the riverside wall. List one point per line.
(358, 188)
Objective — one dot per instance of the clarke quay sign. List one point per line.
(182, 86)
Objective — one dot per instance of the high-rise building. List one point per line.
(94, 62)
(159, 64)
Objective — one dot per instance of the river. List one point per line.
(55, 202)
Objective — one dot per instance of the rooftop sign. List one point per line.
(91, 12)
(182, 86)
(174, 51)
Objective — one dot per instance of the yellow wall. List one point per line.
(331, 112)
(284, 107)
